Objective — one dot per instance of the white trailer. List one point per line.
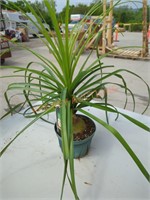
(14, 20)
(75, 21)
(76, 17)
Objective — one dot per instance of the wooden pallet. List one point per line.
(125, 53)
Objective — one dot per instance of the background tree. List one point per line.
(37, 5)
(3, 4)
(80, 9)
(122, 14)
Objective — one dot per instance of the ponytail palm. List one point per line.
(71, 85)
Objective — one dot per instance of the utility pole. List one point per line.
(145, 38)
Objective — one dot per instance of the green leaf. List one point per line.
(118, 136)
(20, 132)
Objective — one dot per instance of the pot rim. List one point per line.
(78, 141)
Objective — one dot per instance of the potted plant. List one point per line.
(67, 86)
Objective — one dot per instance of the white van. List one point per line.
(14, 20)
(32, 28)
(74, 20)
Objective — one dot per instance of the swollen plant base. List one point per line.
(82, 140)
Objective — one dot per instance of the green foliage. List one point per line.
(37, 5)
(122, 13)
(80, 9)
(125, 14)
(71, 87)
(3, 4)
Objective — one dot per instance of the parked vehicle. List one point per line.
(75, 20)
(14, 20)
(31, 26)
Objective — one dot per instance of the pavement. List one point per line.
(21, 57)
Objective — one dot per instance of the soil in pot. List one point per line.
(84, 129)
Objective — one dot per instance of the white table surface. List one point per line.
(32, 167)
